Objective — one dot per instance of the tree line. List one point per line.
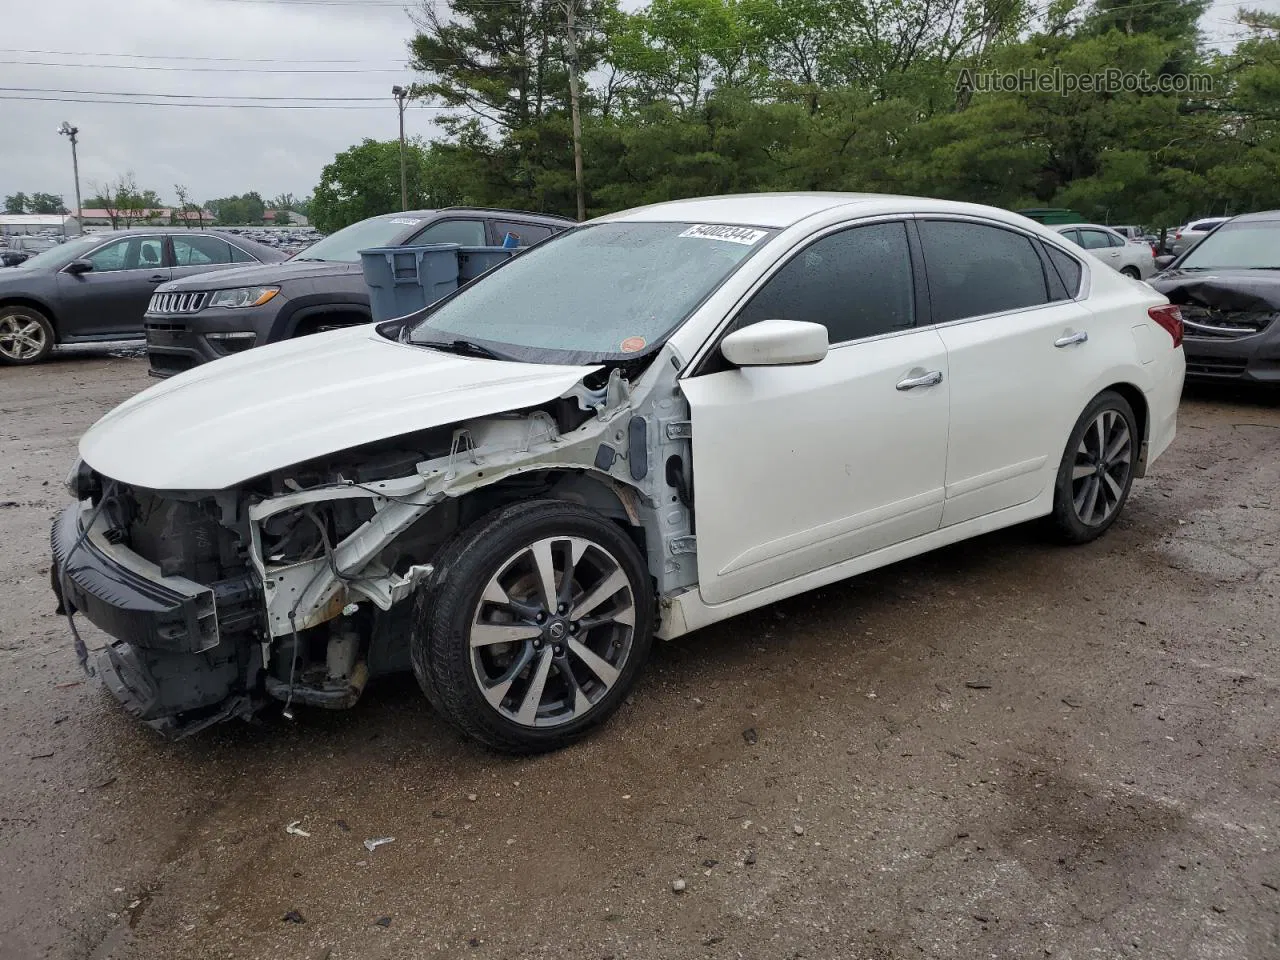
(690, 97)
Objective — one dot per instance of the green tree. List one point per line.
(246, 209)
(282, 218)
(15, 203)
(46, 203)
(364, 181)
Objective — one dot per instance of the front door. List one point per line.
(110, 299)
(797, 468)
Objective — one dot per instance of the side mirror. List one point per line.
(776, 342)
(76, 267)
(1164, 261)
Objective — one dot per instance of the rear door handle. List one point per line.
(156, 279)
(930, 379)
(1072, 339)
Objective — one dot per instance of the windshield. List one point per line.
(346, 244)
(607, 291)
(60, 255)
(1247, 245)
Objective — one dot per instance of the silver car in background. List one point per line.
(1196, 230)
(1130, 257)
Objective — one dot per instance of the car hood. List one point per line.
(1230, 290)
(237, 418)
(259, 274)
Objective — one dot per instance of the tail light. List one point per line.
(1169, 317)
(1154, 251)
(1178, 235)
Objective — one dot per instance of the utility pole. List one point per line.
(401, 94)
(573, 108)
(70, 132)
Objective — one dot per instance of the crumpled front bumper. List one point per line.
(182, 657)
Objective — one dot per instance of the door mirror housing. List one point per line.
(1164, 260)
(76, 267)
(776, 343)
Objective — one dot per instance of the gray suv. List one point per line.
(190, 322)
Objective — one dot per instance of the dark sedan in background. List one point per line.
(1228, 287)
(97, 287)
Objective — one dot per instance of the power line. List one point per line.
(237, 106)
(165, 56)
(185, 69)
(184, 96)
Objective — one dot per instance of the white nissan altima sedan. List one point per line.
(654, 421)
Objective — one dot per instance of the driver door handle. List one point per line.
(156, 279)
(930, 379)
(1067, 341)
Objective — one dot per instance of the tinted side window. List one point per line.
(131, 253)
(469, 233)
(1116, 241)
(976, 269)
(527, 233)
(1094, 239)
(198, 251)
(1068, 268)
(1073, 236)
(239, 256)
(856, 283)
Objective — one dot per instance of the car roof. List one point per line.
(1062, 227)
(1260, 215)
(781, 210)
(483, 211)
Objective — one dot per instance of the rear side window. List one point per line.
(468, 233)
(197, 251)
(856, 283)
(1067, 267)
(975, 269)
(1095, 239)
(527, 233)
(239, 256)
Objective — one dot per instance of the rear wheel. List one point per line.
(1131, 272)
(26, 335)
(536, 627)
(1097, 467)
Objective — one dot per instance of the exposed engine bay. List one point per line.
(297, 585)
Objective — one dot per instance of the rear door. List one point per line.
(466, 231)
(1018, 352)
(525, 234)
(798, 468)
(1099, 243)
(109, 300)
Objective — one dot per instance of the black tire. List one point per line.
(1131, 272)
(17, 352)
(449, 669)
(1077, 518)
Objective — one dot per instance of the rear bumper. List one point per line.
(182, 655)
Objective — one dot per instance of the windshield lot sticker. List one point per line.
(632, 345)
(744, 235)
(407, 221)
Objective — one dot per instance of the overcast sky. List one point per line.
(214, 151)
(218, 151)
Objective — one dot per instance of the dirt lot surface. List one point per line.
(1004, 749)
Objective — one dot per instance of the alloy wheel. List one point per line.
(1100, 475)
(552, 631)
(21, 337)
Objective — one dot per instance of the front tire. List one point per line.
(536, 626)
(26, 335)
(1097, 469)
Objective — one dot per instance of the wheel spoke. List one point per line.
(544, 565)
(577, 548)
(1114, 487)
(1119, 445)
(485, 634)
(609, 586)
(1091, 499)
(1098, 431)
(496, 692)
(601, 667)
(528, 712)
(1082, 470)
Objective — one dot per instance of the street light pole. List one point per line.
(401, 94)
(70, 132)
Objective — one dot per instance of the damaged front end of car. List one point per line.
(296, 586)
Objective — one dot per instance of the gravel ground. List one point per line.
(1003, 749)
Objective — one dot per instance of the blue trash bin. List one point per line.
(403, 280)
(473, 261)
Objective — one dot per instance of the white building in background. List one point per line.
(16, 224)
